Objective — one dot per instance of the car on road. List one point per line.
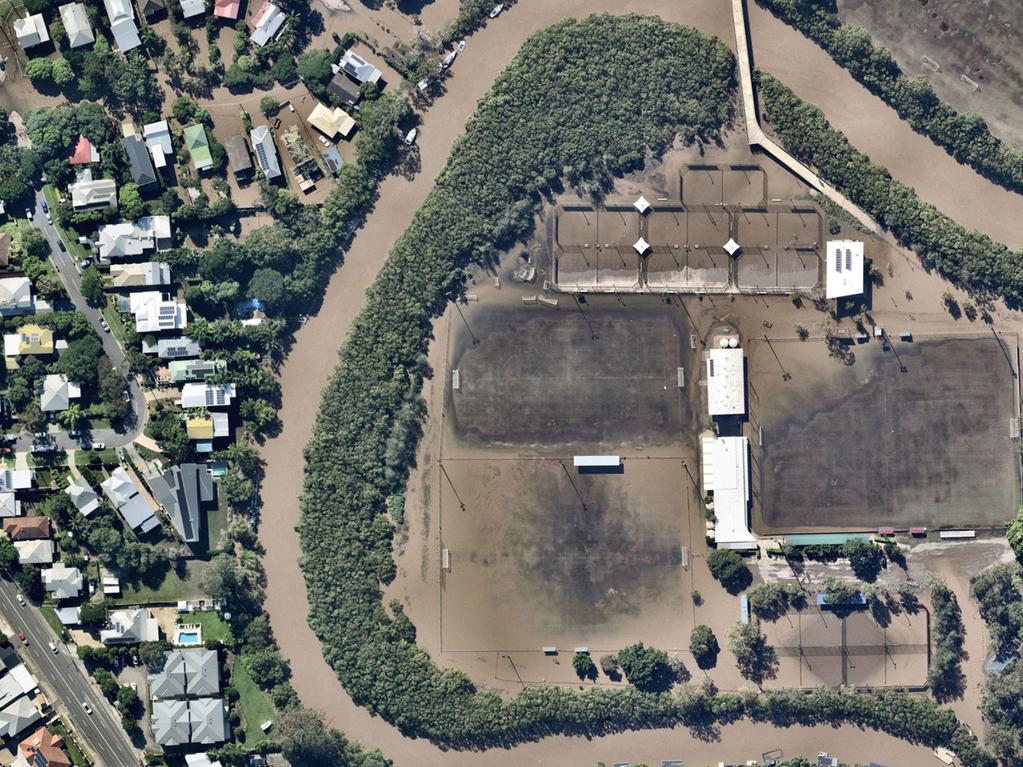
(87, 707)
(497, 10)
(44, 206)
(61, 245)
(21, 599)
(49, 219)
(21, 636)
(53, 647)
(105, 325)
(28, 213)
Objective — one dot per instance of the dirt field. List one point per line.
(979, 40)
(866, 445)
(599, 373)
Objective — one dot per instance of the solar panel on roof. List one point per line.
(848, 260)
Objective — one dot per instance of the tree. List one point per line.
(609, 665)
(584, 666)
(71, 417)
(39, 69)
(645, 667)
(865, 558)
(92, 615)
(62, 72)
(269, 106)
(107, 682)
(184, 109)
(92, 288)
(34, 418)
(1015, 534)
(768, 600)
(704, 647)
(838, 592)
(314, 67)
(728, 568)
(8, 553)
(755, 658)
(130, 201)
(267, 287)
(307, 742)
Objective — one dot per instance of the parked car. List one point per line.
(49, 219)
(21, 636)
(85, 444)
(103, 324)
(83, 264)
(61, 245)
(497, 10)
(99, 445)
(21, 600)
(28, 213)
(43, 205)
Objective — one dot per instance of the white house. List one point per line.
(122, 24)
(153, 313)
(76, 24)
(89, 193)
(726, 477)
(31, 30)
(726, 382)
(266, 152)
(62, 582)
(58, 393)
(267, 23)
(844, 269)
(158, 138)
(85, 499)
(207, 395)
(15, 296)
(131, 626)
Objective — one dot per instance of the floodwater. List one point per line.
(872, 127)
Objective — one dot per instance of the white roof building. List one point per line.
(267, 23)
(726, 476)
(129, 501)
(15, 296)
(58, 393)
(844, 269)
(31, 30)
(38, 552)
(85, 499)
(128, 239)
(76, 24)
(62, 582)
(10, 506)
(145, 275)
(15, 479)
(158, 138)
(206, 395)
(153, 313)
(190, 8)
(122, 24)
(17, 716)
(726, 382)
(265, 151)
(356, 67)
(89, 193)
(131, 626)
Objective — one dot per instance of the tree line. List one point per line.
(966, 137)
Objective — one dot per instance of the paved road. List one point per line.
(69, 275)
(66, 683)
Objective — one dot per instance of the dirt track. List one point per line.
(959, 192)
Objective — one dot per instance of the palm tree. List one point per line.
(70, 417)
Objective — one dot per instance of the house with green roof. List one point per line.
(198, 147)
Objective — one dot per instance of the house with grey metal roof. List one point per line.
(15, 296)
(184, 491)
(131, 626)
(139, 163)
(62, 582)
(238, 156)
(17, 717)
(85, 499)
(76, 24)
(171, 723)
(127, 498)
(182, 371)
(58, 392)
(35, 552)
(87, 193)
(10, 506)
(122, 24)
(356, 67)
(144, 275)
(182, 722)
(31, 30)
(187, 672)
(172, 348)
(265, 151)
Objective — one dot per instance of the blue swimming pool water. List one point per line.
(188, 638)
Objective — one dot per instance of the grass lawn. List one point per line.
(213, 628)
(256, 706)
(108, 456)
(74, 750)
(173, 588)
(54, 621)
(113, 318)
(216, 522)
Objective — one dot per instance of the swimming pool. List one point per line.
(188, 638)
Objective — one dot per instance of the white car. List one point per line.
(28, 213)
(53, 647)
(87, 707)
(497, 10)
(21, 600)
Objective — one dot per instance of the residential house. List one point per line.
(76, 25)
(69, 616)
(27, 528)
(15, 296)
(37, 552)
(131, 626)
(10, 506)
(182, 371)
(62, 582)
(198, 145)
(126, 239)
(17, 716)
(190, 8)
(31, 30)
(153, 313)
(126, 496)
(29, 340)
(144, 275)
(172, 348)
(87, 193)
(266, 152)
(111, 585)
(207, 395)
(238, 156)
(357, 68)
(85, 499)
(343, 89)
(184, 492)
(331, 122)
(159, 228)
(84, 152)
(204, 429)
(122, 24)
(226, 9)
(200, 760)
(158, 138)
(57, 393)
(42, 749)
(15, 479)
(152, 10)
(139, 163)
(185, 710)
(267, 23)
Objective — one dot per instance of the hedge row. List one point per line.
(964, 136)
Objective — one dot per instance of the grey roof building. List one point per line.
(131, 626)
(85, 499)
(171, 725)
(139, 163)
(182, 491)
(187, 672)
(62, 582)
(194, 370)
(122, 491)
(208, 721)
(344, 89)
(76, 24)
(144, 275)
(182, 722)
(172, 348)
(17, 717)
(238, 155)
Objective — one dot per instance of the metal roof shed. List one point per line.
(726, 382)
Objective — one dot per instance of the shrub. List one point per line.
(704, 647)
(729, 569)
(645, 667)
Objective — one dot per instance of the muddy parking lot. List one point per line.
(866, 445)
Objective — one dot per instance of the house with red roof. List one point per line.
(84, 153)
(226, 9)
(44, 748)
